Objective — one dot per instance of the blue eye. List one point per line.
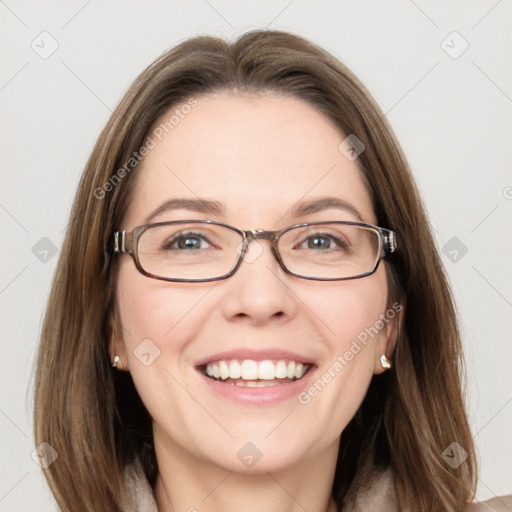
(319, 242)
(186, 241)
(323, 242)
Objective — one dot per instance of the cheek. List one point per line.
(349, 309)
(349, 315)
(158, 322)
(157, 318)
(349, 318)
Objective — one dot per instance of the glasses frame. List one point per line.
(127, 243)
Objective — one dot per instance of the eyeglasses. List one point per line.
(205, 250)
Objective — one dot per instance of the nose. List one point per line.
(259, 291)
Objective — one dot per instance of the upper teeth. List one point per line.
(249, 369)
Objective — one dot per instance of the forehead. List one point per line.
(257, 155)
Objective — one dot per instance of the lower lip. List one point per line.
(255, 396)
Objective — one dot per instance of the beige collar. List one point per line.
(379, 496)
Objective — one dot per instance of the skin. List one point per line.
(258, 155)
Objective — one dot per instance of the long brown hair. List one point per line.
(92, 416)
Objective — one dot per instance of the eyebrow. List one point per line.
(194, 205)
(211, 207)
(324, 203)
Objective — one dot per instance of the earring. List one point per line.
(117, 364)
(385, 362)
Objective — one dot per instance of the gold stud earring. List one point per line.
(385, 362)
(117, 364)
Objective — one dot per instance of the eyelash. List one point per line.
(190, 234)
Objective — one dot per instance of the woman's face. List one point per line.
(258, 156)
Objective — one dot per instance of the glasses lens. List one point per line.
(191, 251)
(330, 251)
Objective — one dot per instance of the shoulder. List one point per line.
(380, 495)
(498, 504)
(140, 494)
(377, 493)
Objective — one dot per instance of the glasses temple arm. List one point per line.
(389, 244)
(121, 242)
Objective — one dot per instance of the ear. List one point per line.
(116, 344)
(388, 337)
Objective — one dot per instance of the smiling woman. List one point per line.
(266, 287)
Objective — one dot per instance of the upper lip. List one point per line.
(256, 355)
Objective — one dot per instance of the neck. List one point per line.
(185, 483)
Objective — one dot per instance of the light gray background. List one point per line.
(452, 116)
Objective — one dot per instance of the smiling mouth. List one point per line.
(255, 374)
